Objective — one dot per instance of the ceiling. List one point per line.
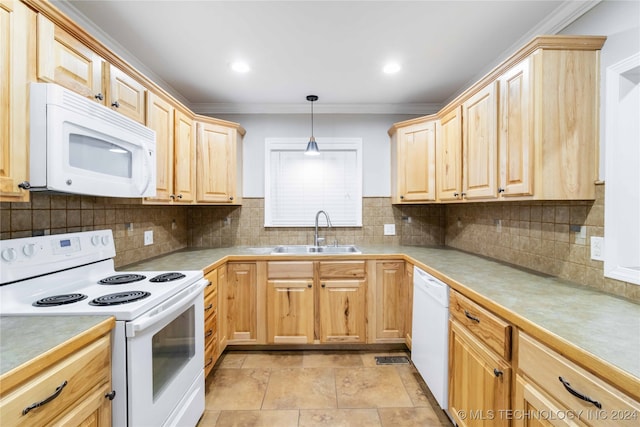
(333, 49)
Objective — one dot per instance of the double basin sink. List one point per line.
(308, 249)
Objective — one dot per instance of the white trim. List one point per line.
(297, 108)
(616, 194)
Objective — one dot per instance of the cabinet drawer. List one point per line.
(211, 288)
(330, 269)
(290, 269)
(209, 357)
(608, 406)
(82, 371)
(493, 331)
(210, 305)
(210, 329)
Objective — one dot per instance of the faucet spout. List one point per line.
(315, 236)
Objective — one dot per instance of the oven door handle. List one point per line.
(167, 309)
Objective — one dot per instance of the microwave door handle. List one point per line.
(148, 166)
(167, 309)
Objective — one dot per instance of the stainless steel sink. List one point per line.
(307, 249)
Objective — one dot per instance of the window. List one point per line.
(298, 186)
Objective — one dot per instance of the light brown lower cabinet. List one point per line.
(342, 310)
(553, 390)
(290, 311)
(241, 303)
(210, 322)
(82, 382)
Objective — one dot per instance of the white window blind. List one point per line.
(298, 186)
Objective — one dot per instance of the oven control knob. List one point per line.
(105, 240)
(95, 240)
(29, 250)
(9, 254)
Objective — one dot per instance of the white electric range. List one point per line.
(158, 340)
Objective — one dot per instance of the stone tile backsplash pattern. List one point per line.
(244, 226)
(67, 214)
(534, 235)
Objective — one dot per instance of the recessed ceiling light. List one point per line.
(240, 67)
(391, 68)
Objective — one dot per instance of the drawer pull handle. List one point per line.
(497, 372)
(55, 394)
(111, 395)
(579, 395)
(471, 316)
(209, 333)
(209, 362)
(209, 307)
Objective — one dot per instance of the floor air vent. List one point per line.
(392, 360)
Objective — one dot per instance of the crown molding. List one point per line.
(297, 108)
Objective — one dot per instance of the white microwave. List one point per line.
(81, 147)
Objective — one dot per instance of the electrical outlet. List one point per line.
(597, 248)
(148, 237)
(498, 224)
(389, 229)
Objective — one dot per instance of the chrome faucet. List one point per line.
(315, 236)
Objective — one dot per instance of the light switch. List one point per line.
(389, 229)
(148, 237)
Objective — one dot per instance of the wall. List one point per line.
(245, 226)
(58, 214)
(372, 128)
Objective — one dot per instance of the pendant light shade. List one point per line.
(312, 146)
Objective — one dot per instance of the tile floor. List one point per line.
(317, 388)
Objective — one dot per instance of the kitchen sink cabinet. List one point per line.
(219, 162)
(480, 371)
(211, 322)
(548, 381)
(18, 68)
(82, 381)
(387, 307)
(413, 162)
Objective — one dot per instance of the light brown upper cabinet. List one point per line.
(413, 162)
(175, 151)
(219, 162)
(65, 60)
(17, 68)
(449, 156)
(126, 95)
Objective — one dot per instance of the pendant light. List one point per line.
(312, 147)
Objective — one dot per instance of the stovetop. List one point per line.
(40, 272)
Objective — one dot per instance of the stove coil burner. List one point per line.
(121, 279)
(119, 298)
(56, 300)
(167, 277)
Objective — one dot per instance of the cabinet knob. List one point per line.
(230, 197)
(463, 194)
(179, 196)
(323, 285)
(111, 395)
(500, 190)
(401, 197)
(497, 372)
(115, 104)
(99, 97)
(172, 197)
(456, 194)
(309, 285)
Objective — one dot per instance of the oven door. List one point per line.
(165, 357)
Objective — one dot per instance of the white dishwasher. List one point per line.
(429, 336)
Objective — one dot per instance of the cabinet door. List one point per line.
(290, 314)
(530, 400)
(64, 60)
(241, 302)
(184, 158)
(126, 95)
(408, 308)
(480, 145)
(342, 311)
(390, 300)
(215, 164)
(479, 381)
(17, 68)
(416, 163)
(516, 131)
(160, 119)
(449, 152)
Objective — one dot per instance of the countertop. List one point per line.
(603, 325)
(33, 340)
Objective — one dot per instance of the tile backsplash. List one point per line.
(56, 214)
(533, 235)
(244, 226)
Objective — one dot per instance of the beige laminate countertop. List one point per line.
(31, 343)
(571, 316)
